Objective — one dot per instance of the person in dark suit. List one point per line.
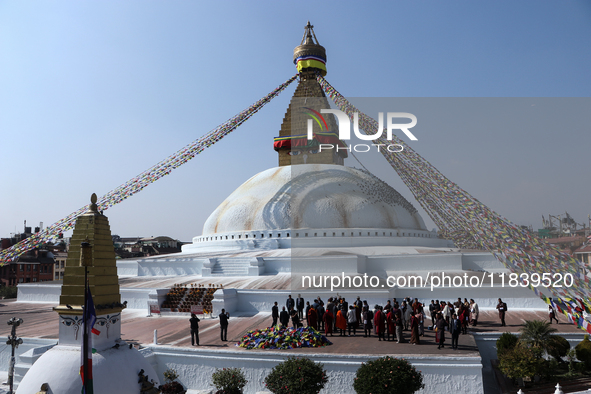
(440, 330)
(456, 328)
(290, 303)
(194, 320)
(224, 317)
(284, 317)
(275, 313)
(295, 319)
(502, 308)
(300, 304)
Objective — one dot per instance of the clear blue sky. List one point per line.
(93, 93)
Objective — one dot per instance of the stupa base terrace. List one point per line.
(466, 370)
(403, 271)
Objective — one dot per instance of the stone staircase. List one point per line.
(231, 267)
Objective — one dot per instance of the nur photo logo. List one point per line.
(345, 129)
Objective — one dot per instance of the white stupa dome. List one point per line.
(115, 371)
(313, 196)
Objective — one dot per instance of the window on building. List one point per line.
(34, 268)
(22, 267)
(57, 275)
(34, 279)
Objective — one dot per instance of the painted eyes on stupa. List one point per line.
(300, 152)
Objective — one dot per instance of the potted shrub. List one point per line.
(171, 386)
(388, 375)
(296, 375)
(229, 380)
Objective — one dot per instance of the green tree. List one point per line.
(583, 351)
(521, 362)
(557, 347)
(506, 342)
(387, 375)
(537, 334)
(296, 375)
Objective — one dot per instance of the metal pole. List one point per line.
(14, 342)
(85, 334)
(12, 360)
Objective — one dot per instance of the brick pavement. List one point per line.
(174, 331)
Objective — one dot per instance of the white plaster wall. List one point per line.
(136, 298)
(254, 301)
(434, 262)
(175, 265)
(482, 262)
(331, 265)
(441, 374)
(28, 344)
(39, 292)
(277, 265)
(50, 293)
(127, 267)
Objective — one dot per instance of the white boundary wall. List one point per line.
(459, 375)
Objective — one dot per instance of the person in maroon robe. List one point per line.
(379, 323)
(328, 318)
(341, 322)
(391, 323)
(464, 319)
(414, 330)
(313, 318)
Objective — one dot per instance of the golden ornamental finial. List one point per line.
(93, 199)
(310, 55)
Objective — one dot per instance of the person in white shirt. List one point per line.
(474, 312)
(352, 320)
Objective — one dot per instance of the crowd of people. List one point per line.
(387, 322)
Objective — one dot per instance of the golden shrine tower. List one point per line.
(93, 228)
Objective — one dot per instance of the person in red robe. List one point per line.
(391, 323)
(341, 322)
(464, 319)
(313, 318)
(379, 322)
(328, 318)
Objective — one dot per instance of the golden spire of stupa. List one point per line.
(306, 103)
(93, 228)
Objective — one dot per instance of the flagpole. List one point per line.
(85, 259)
(85, 314)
